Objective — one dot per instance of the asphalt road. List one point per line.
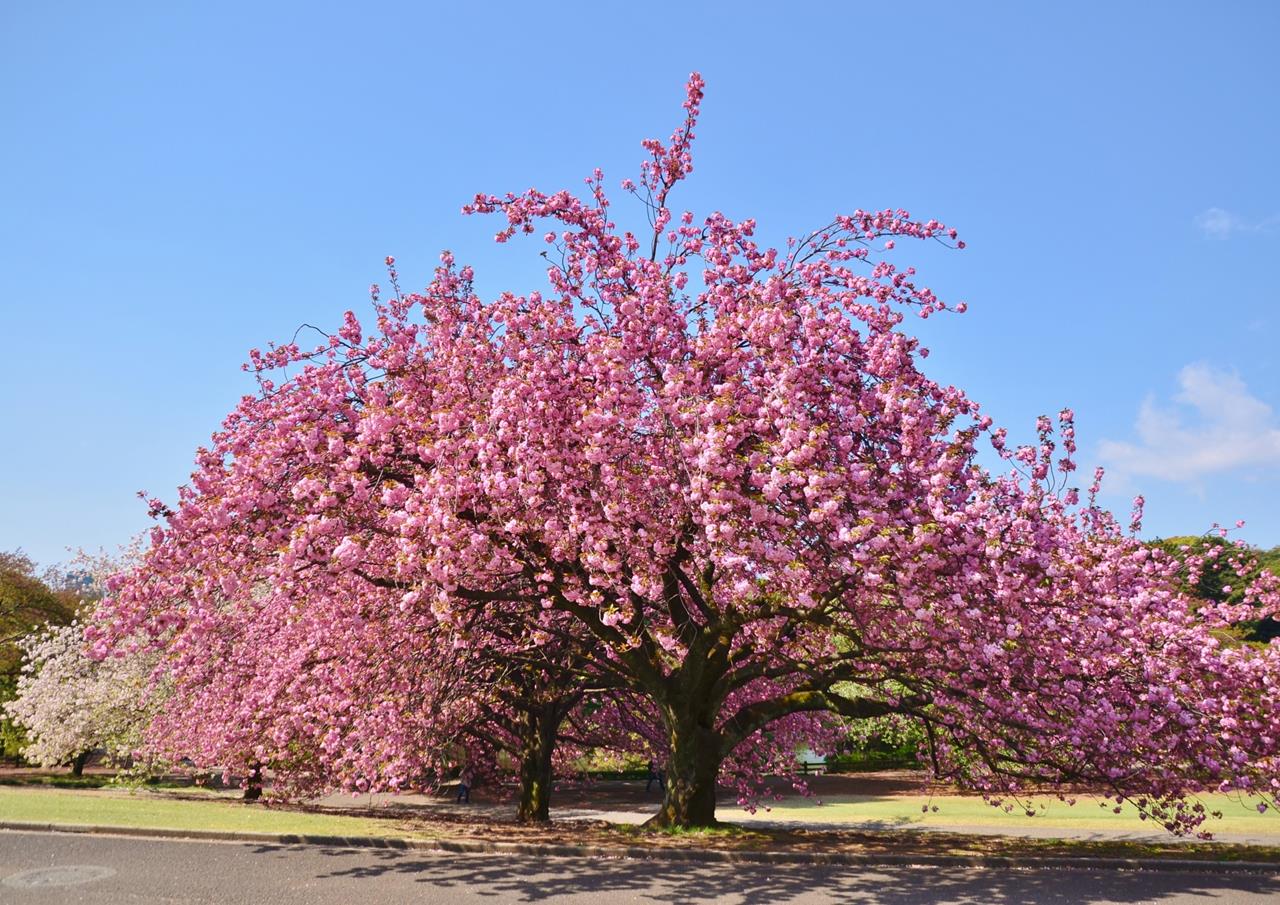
(52, 868)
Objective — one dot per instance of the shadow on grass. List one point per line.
(88, 781)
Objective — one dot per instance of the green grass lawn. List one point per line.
(1239, 816)
(223, 811)
(151, 810)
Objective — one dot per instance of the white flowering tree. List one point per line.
(71, 704)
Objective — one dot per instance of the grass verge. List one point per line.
(1240, 816)
(160, 810)
(151, 811)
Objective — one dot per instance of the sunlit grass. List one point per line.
(145, 810)
(1240, 816)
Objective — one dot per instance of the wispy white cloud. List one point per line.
(1217, 223)
(1230, 429)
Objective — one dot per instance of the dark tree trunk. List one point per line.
(541, 728)
(77, 765)
(253, 788)
(692, 768)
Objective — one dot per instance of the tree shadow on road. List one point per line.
(526, 879)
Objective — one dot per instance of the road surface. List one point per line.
(57, 868)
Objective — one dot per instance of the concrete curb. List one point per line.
(477, 846)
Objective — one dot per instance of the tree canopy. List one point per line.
(714, 479)
(1219, 571)
(27, 604)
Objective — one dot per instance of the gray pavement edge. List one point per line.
(477, 846)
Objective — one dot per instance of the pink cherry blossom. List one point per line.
(696, 497)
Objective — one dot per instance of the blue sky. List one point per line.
(184, 181)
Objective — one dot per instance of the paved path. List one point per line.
(52, 868)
